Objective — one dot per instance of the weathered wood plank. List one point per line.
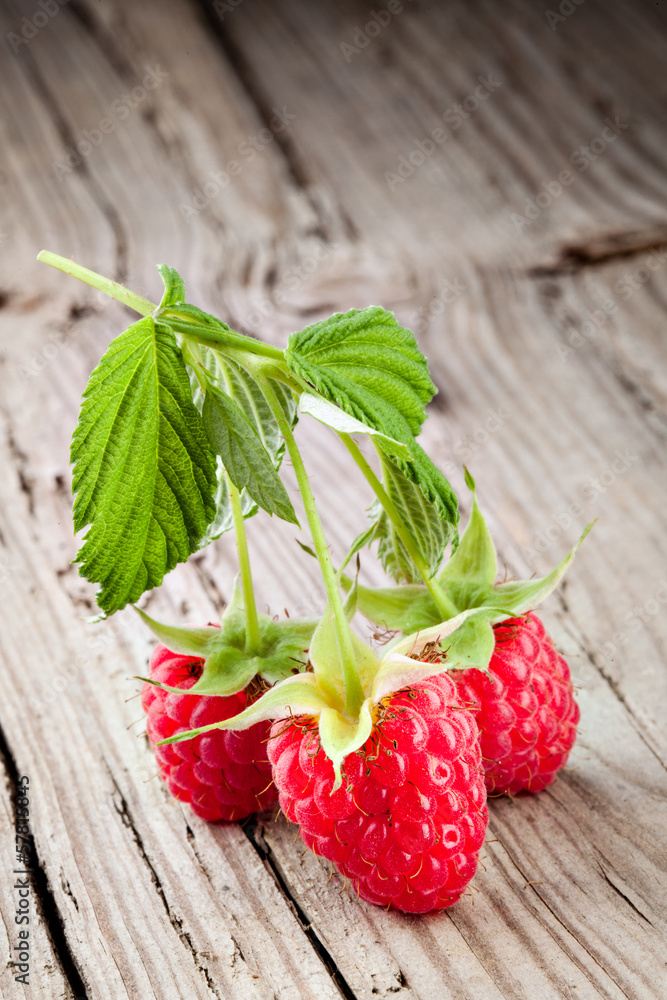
(152, 901)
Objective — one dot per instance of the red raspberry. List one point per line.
(222, 775)
(525, 710)
(407, 824)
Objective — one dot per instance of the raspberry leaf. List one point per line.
(243, 455)
(174, 286)
(144, 472)
(340, 421)
(366, 364)
(421, 519)
(229, 377)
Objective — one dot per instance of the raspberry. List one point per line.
(525, 710)
(222, 775)
(407, 824)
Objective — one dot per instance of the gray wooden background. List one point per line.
(494, 173)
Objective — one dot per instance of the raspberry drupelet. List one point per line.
(525, 709)
(222, 775)
(407, 824)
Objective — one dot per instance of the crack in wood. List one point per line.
(253, 832)
(123, 810)
(599, 250)
(45, 902)
(21, 463)
(620, 892)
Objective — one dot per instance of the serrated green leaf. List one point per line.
(421, 519)
(144, 472)
(332, 416)
(174, 286)
(244, 457)
(367, 365)
(243, 389)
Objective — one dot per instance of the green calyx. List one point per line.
(279, 651)
(452, 645)
(467, 579)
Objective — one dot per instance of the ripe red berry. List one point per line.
(525, 710)
(407, 824)
(222, 775)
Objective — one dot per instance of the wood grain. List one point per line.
(547, 344)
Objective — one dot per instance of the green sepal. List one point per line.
(471, 571)
(325, 658)
(519, 596)
(467, 579)
(340, 736)
(228, 665)
(405, 608)
(294, 696)
(319, 695)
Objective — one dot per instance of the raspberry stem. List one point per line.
(354, 694)
(106, 285)
(252, 624)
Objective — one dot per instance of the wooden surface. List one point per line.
(548, 347)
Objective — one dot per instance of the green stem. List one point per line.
(252, 624)
(445, 607)
(354, 694)
(106, 285)
(182, 324)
